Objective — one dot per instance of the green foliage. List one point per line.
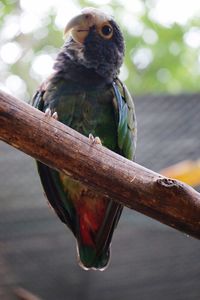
(158, 58)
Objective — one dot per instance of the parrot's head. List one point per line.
(94, 40)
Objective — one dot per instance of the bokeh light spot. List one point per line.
(174, 11)
(10, 52)
(16, 85)
(142, 57)
(150, 36)
(163, 75)
(124, 73)
(192, 37)
(174, 48)
(43, 65)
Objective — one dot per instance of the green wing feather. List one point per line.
(127, 126)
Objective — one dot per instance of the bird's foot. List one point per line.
(48, 113)
(94, 140)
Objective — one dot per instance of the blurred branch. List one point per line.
(168, 201)
(23, 294)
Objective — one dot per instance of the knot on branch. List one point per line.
(171, 185)
(167, 182)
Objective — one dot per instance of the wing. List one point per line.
(126, 119)
(50, 178)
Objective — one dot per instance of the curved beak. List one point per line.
(79, 26)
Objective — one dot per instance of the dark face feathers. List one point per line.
(97, 58)
(105, 56)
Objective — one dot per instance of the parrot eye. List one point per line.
(106, 31)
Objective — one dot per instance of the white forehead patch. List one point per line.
(97, 14)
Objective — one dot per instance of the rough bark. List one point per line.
(166, 200)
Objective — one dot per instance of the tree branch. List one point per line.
(166, 200)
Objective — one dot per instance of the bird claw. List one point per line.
(55, 115)
(94, 140)
(48, 113)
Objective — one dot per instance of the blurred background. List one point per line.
(162, 42)
(162, 71)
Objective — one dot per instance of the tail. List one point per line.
(89, 259)
(94, 250)
(91, 216)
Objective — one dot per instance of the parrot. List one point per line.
(85, 93)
